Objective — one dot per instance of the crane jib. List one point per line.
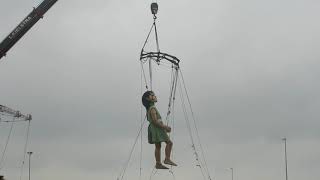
(20, 27)
(24, 26)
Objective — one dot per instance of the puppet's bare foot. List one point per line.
(160, 166)
(169, 162)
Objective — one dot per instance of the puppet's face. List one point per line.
(152, 98)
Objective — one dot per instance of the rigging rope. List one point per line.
(190, 130)
(174, 79)
(141, 121)
(173, 111)
(195, 125)
(6, 145)
(150, 66)
(122, 173)
(150, 72)
(153, 172)
(144, 75)
(145, 42)
(156, 33)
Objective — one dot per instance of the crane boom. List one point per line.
(14, 113)
(32, 18)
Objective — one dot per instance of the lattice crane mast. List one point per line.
(16, 114)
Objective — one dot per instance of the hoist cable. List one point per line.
(156, 33)
(150, 62)
(6, 145)
(195, 125)
(145, 42)
(142, 50)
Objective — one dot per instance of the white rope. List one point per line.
(196, 128)
(122, 173)
(6, 145)
(190, 130)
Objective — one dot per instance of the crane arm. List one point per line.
(14, 113)
(32, 18)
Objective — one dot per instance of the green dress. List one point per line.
(155, 133)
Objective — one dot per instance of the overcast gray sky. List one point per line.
(251, 68)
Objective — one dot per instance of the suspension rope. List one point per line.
(141, 121)
(190, 130)
(157, 43)
(150, 72)
(145, 42)
(156, 33)
(144, 75)
(195, 125)
(6, 145)
(25, 148)
(158, 48)
(172, 173)
(185, 114)
(173, 111)
(173, 85)
(122, 173)
(174, 79)
(153, 172)
(170, 96)
(142, 50)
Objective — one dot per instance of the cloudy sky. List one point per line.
(251, 70)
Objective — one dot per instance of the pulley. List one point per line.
(154, 8)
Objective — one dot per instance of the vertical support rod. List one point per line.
(231, 173)
(285, 156)
(29, 153)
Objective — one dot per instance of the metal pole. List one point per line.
(231, 173)
(285, 156)
(29, 153)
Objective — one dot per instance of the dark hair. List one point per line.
(145, 101)
(1, 177)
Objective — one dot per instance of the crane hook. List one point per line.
(154, 8)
